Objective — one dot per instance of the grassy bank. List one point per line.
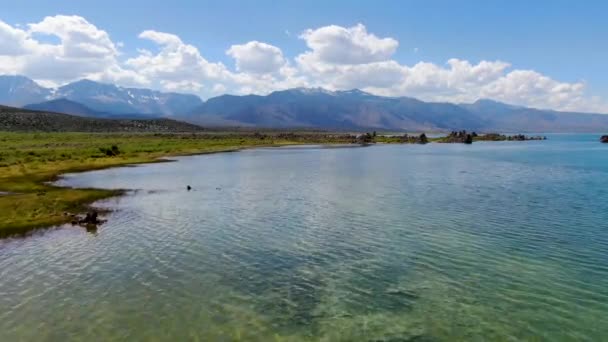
(29, 160)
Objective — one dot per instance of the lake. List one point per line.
(437, 242)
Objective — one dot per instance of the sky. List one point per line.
(545, 54)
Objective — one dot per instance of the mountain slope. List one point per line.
(100, 97)
(113, 99)
(356, 109)
(64, 106)
(507, 118)
(299, 107)
(19, 91)
(334, 110)
(16, 119)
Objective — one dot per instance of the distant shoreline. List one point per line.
(31, 162)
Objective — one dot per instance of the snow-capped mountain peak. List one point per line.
(20, 91)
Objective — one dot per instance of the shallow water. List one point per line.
(493, 241)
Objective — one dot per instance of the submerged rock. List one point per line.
(90, 218)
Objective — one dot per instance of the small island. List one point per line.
(455, 137)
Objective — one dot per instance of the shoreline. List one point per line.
(31, 202)
(117, 193)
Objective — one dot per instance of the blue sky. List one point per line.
(562, 40)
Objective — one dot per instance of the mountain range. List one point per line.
(355, 109)
(298, 107)
(20, 91)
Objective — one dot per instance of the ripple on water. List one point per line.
(419, 243)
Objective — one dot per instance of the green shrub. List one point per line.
(110, 152)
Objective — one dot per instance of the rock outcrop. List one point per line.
(462, 137)
(412, 139)
(90, 218)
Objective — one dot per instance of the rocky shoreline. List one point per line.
(455, 137)
(468, 138)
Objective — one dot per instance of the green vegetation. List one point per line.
(406, 139)
(23, 120)
(455, 137)
(502, 137)
(28, 161)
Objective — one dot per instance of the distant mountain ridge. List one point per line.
(19, 91)
(353, 109)
(292, 108)
(356, 109)
(22, 120)
(66, 106)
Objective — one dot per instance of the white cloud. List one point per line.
(79, 38)
(175, 63)
(339, 45)
(384, 74)
(534, 89)
(178, 66)
(161, 38)
(12, 40)
(343, 58)
(190, 86)
(459, 80)
(336, 58)
(256, 57)
(83, 51)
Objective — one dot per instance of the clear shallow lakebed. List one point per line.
(493, 241)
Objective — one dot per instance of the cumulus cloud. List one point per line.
(349, 57)
(535, 89)
(12, 40)
(257, 57)
(79, 38)
(83, 51)
(382, 75)
(178, 66)
(340, 45)
(461, 81)
(175, 61)
(335, 58)
(457, 80)
(343, 58)
(161, 38)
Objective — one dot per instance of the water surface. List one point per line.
(493, 241)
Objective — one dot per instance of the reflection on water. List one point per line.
(492, 241)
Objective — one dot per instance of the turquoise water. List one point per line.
(493, 241)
